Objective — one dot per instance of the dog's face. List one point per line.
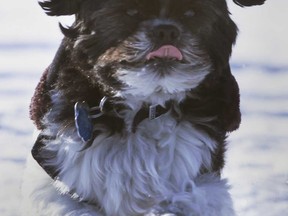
(159, 47)
(150, 47)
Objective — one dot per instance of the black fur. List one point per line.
(63, 7)
(249, 2)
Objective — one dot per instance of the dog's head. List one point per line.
(141, 47)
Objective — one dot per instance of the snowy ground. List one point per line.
(257, 159)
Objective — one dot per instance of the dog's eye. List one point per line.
(132, 12)
(189, 13)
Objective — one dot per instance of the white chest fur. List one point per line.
(132, 172)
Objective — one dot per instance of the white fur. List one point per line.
(149, 85)
(210, 197)
(130, 174)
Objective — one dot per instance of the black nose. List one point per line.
(166, 34)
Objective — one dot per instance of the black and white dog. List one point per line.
(134, 110)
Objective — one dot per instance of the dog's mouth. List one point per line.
(167, 52)
(158, 58)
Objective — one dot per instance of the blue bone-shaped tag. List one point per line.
(83, 121)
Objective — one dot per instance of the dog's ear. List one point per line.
(61, 7)
(244, 3)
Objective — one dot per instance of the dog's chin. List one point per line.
(158, 80)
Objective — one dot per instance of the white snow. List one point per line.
(257, 157)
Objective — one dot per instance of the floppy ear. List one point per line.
(243, 3)
(61, 7)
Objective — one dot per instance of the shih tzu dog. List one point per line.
(134, 110)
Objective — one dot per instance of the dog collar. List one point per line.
(151, 112)
(84, 115)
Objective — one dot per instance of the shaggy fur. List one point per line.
(161, 58)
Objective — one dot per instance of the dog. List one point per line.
(134, 110)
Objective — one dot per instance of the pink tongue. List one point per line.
(166, 51)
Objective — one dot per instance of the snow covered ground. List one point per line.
(257, 159)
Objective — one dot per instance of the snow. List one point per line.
(257, 162)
